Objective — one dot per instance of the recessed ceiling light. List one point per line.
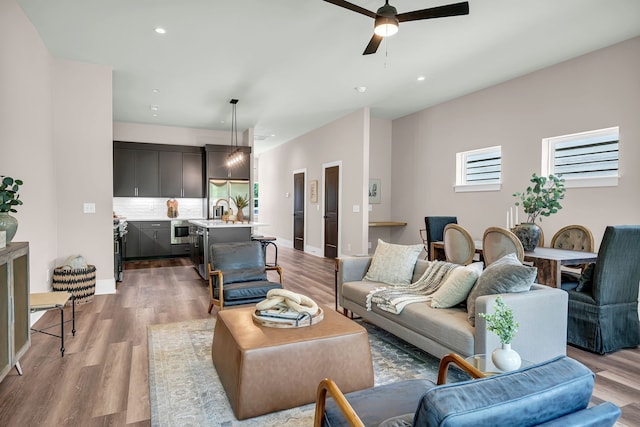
(155, 115)
(154, 107)
(421, 78)
(155, 90)
(160, 30)
(360, 89)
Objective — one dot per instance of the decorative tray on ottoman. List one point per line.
(286, 319)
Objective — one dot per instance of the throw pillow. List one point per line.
(502, 276)
(393, 264)
(586, 279)
(456, 286)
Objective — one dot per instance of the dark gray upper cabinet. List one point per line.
(135, 173)
(157, 170)
(217, 163)
(192, 175)
(181, 174)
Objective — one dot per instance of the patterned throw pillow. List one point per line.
(502, 276)
(393, 264)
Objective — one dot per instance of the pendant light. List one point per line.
(235, 157)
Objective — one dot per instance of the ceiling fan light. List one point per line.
(386, 26)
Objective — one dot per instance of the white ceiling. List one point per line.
(294, 64)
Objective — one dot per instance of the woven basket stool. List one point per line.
(81, 282)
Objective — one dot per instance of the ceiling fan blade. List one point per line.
(454, 9)
(353, 7)
(372, 47)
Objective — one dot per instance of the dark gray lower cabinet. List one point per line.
(148, 239)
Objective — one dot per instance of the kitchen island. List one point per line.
(203, 233)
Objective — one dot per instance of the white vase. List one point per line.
(505, 358)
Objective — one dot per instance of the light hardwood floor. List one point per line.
(103, 377)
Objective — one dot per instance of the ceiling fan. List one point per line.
(387, 18)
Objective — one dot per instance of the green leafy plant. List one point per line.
(240, 201)
(9, 196)
(542, 198)
(501, 322)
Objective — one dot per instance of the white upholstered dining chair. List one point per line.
(458, 245)
(498, 242)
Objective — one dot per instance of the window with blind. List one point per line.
(586, 159)
(479, 170)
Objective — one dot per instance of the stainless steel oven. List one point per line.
(179, 232)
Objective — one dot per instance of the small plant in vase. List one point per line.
(9, 198)
(542, 198)
(241, 203)
(502, 323)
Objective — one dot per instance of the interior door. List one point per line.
(298, 211)
(332, 182)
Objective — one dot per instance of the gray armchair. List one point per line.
(603, 304)
(553, 393)
(238, 274)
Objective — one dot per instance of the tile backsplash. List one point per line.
(155, 208)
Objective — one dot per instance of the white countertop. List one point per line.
(216, 223)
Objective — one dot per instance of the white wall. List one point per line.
(137, 132)
(56, 137)
(597, 90)
(379, 167)
(26, 139)
(83, 160)
(346, 141)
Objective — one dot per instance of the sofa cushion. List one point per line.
(456, 286)
(448, 327)
(393, 264)
(502, 276)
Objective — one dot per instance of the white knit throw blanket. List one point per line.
(393, 299)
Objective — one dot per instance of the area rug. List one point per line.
(185, 389)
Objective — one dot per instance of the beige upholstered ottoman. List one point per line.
(266, 369)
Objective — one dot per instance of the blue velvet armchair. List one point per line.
(238, 274)
(603, 304)
(553, 393)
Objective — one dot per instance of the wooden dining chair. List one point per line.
(498, 242)
(573, 238)
(458, 245)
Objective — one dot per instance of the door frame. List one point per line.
(321, 191)
(294, 172)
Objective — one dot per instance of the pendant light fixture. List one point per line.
(235, 157)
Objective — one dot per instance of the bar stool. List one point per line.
(48, 301)
(265, 242)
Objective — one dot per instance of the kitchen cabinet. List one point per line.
(15, 338)
(146, 239)
(181, 174)
(132, 240)
(135, 173)
(217, 163)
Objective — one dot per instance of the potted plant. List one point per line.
(542, 198)
(9, 198)
(502, 323)
(241, 203)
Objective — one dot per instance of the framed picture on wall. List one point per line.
(313, 191)
(374, 191)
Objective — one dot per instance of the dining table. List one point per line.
(548, 261)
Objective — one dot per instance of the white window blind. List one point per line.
(479, 170)
(584, 159)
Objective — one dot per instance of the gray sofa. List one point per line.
(541, 313)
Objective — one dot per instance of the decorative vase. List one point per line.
(240, 215)
(8, 224)
(505, 358)
(529, 234)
